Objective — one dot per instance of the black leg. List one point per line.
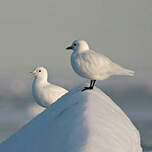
(92, 83)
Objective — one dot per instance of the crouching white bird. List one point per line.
(92, 65)
(44, 92)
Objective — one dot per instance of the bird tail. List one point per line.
(118, 70)
(127, 72)
(130, 72)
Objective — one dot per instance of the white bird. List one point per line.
(44, 92)
(92, 65)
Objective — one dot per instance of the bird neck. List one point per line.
(39, 81)
(83, 48)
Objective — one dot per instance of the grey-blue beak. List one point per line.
(69, 48)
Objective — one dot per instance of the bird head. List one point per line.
(79, 45)
(40, 73)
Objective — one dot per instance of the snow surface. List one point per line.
(86, 121)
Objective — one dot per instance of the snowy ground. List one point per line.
(79, 121)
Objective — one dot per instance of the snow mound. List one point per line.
(86, 121)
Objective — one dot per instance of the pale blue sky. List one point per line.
(36, 32)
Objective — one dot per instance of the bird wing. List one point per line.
(95, 64)
(54, 92)
(99, 65)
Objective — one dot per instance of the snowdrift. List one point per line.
(86, 121)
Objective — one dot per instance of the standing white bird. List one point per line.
(44, 92)
(92, 65)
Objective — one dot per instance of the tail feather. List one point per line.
(118, 70)
(129, 72)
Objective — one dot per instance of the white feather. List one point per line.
(44, 92)
(91, 65)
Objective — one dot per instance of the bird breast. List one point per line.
(41, 97)
(78, 65)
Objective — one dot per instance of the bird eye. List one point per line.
(74, 44)
(39, 70)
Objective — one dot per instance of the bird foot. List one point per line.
(87, 88)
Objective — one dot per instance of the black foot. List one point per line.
(87, 88)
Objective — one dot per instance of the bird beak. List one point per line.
(32, 73)
(69, 48)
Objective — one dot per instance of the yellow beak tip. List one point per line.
(30, 73)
